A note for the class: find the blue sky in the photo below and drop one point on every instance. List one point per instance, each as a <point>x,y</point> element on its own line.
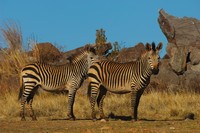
<point>71,24</point>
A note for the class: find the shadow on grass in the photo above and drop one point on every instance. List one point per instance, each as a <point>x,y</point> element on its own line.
<point>114,117</point>
<point>60,119</point>
<point>143,119</point>
<point>129,118</point>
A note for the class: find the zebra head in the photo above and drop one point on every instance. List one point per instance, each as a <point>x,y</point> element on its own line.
<point>91,55</point>
<point>153,57</point>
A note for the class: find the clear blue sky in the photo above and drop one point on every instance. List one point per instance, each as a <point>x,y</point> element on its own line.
<point>72,24</point>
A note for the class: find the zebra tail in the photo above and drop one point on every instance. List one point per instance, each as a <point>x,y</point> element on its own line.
<point>89,91</point>
<point>21,88</point>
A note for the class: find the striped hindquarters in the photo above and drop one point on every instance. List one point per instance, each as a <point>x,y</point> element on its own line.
<point>48,76</point>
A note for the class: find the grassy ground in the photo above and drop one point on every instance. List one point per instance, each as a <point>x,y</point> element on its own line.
<point>158,112</point>
<point>153,106</point>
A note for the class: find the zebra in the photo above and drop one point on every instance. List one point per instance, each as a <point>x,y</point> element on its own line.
<point>121,78</point>
<point>55,78</point>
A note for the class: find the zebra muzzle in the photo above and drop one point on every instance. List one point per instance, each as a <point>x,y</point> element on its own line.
<point>155,71</point>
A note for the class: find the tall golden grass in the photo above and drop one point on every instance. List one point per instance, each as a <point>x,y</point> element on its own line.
<point>12,59</point>
<point>13,35</point>
<point>153,106</point>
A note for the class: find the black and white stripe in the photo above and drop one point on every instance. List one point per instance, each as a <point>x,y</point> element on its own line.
<point>120,78</point>
<point>55,78</point>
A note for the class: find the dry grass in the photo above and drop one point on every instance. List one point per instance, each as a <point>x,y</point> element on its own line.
<point>12,59</point>
<point>10,67</point>
<point>13,35</point>
<point>153,106</point>
<point>156,105</point>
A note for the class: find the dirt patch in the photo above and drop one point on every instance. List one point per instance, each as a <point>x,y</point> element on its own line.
<point>45,125</point>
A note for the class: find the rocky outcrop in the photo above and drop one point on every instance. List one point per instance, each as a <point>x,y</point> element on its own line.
<point>180,70</point>
<point>46,52</point>
<point>183,35</point>
<point>130,54</point>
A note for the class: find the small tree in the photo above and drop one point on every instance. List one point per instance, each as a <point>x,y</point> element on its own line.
<point>116,47</point>
<point>115,51</point>
<point>100,37</point>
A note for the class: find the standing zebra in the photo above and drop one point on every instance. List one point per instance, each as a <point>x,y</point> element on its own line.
<point>121,78</point>
<point>55,78</point>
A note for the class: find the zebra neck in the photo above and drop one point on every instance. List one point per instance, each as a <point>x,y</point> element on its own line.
<point>79,57</point>
<point>146,68</point>
<point>81,67</point>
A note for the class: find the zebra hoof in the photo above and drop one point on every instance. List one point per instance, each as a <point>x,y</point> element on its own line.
<point>104,120</point>
<point>94,119</point>
<point>72,118</point>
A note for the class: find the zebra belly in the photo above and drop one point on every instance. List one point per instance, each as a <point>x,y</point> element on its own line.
<point>56,88</point>
<point>119,89</point>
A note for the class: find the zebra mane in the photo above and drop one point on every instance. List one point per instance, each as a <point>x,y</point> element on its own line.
<point>77,56</point>
<point>153,46</point>
<point>80,53</point>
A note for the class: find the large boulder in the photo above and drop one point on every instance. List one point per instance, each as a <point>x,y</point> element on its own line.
<point>166,79</point>
<point>182,70</point>
<point>178,60</point>
<point>191,81</point>
<point>182,35</point>
<point>194,55</point>
<point>46,52</point>
<point>130,54</point>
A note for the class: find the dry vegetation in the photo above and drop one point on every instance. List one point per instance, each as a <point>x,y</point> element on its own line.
<point>158,106</point>
<point>12,59</point>
<point>158,112</point>
<point>153,106</point>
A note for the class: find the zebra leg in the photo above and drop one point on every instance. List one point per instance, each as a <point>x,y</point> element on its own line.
<point>29,102</point>
<point>26,97</point>
<point>71,98</point>
<point>101,96</point>
<point>93,97</point>
<point>135,99</point>
<point>32,114</point>
<point>22,112</point>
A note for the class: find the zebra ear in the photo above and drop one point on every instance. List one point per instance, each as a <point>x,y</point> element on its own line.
<point>148,47</point>
<point>90,48</point>
<point>93,50</point>
<point>87,47</point>
<point>159,47</point>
